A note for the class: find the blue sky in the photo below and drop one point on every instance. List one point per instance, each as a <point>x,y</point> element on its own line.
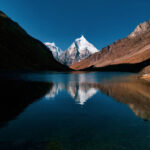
<point>61,21</point>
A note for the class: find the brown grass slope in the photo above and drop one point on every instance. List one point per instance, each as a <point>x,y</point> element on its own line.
<point>126,52</point>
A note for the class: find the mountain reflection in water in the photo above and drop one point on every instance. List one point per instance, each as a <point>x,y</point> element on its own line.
<point>129,90</point>
<point>44,112</point>
<point>80,92</point>
<point>15,96</point>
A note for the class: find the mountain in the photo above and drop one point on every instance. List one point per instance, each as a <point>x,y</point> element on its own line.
<point>20,51</point>
<point>129,54</point>
<point>79,50</point>
<point>56,51</point>
<point>141,28</point>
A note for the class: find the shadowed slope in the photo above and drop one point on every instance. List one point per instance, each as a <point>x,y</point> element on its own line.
<point>19,51</point>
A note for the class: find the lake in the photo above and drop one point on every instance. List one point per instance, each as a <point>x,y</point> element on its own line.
<point>74,111</point>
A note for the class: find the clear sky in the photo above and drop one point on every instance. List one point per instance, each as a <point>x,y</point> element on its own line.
<point>61,21</point>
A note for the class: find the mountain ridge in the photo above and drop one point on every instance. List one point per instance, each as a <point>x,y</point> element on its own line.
<point>56,51</point>
<point>20,51</point>
<point>77,51</point>
<point>133,49</point>
<point>141,28</point>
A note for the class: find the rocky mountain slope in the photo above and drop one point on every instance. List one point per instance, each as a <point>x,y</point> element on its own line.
<point>129,54</point>
<point>79,50</point>
<point>19,51</point>
<point>56,51</point>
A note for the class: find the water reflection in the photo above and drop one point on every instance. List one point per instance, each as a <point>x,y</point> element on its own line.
<point>131,91</point>
<point>101,122</point>
<point>79,91</point>
<point>75,87</point>
<point>15,96</point>
<point>128,90</point>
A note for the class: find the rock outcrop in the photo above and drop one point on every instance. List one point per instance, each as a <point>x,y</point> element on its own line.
<point>141,28</point>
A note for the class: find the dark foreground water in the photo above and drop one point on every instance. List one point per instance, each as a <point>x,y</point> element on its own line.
<point>76,111</point>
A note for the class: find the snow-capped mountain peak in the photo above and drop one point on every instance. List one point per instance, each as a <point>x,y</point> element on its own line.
<point>82,38</point>
<point>79,50</point>
<point>56,51</point>
<point>83,44</point>
<point>50,44</point>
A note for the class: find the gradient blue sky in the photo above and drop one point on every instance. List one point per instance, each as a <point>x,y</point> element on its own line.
<point>61,21</point>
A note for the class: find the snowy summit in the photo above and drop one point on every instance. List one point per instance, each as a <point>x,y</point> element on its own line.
<point>56,51</point>
<point>79,50</point>
<point>83,44</point>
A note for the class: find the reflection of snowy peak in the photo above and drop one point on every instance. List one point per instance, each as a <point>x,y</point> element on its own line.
<point>54,90</point>
<point>80,49</point>
<point>54,49</point>
<point>79,91</point>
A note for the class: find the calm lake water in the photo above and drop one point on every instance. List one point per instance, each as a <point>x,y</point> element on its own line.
<point>74,111</point>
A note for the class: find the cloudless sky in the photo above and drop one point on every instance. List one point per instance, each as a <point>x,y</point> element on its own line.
<point>61,21</point>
